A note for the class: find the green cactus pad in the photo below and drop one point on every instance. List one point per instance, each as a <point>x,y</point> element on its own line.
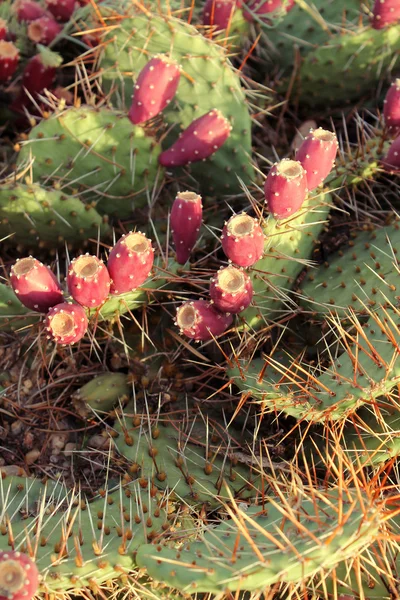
<point>289,542</point>
<point>169,457</point>
<point>102,393</point>
<point>208,81</point>
<point>289,245</point>
<point>368,367</point>
<point>364,275</point>
<point>34,215</point>
<point>98,152</point>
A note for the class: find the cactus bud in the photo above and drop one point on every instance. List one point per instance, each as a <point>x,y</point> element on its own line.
<point>35,285</point>
<point>9,57</point>
<point>242,240</point>
<point>218,13</point>
<point>200,140</point>
<point>155,87</point>
<point>285,188</point>
<point>19,576</point>
<point>317,155</point>
<point>231,290</point>
<point>200,321</point>
<point>88,281</point>
<point>391,107</point>
<point>385,12</point>
<point>66,323</point>
<point>130,262</point>
<point>186,218</point>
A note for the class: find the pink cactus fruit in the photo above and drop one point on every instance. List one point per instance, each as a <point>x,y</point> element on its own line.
<point>317,155</point>
<point>231,290</point>
<point>200,140</point>
<point>155,87</point>
<point>130,262</point>
<point>385,12</point>
<point>391,162</point>
<point>40,71</point>
<point>3,29</point>
<point>285,188</point>
<point>186,219</point>
<point>88,281</point>
<point>66,323</point>
<point>43,30</point>
<point>19,576</point>
<point>242,240</point>
<point>391,106</point>
<point>200,321</point>
<point>28,10</point>
<point>35,285</point>
<point>218,13</point>
<point>9,57</point>
<point>259,8</point>
<point>61,10</point>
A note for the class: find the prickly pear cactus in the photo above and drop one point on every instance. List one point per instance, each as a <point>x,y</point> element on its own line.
<point>102,393</point>
<point>98,152</point>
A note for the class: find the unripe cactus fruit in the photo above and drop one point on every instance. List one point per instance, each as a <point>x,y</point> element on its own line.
<point>35,285</point>
<point>61,9</point>
<point>218,13</point>
<point>200,321</point>
<point>385,12</point>
<point>200,140</point>
<point>285,188</point>
<point>130,262</point>
<point>186,219</point>
<point>391,107</point>
<point>19,576</point>
<point>242,240</point>
<point>231,290</point>
<point>28,10</point>
<point>88,281</point>
<point>66,323</point>
<point>9,57</point>
<point>155,87</point>
<point>43,30</point>
<point>391,162</point>
<point>317,155</point>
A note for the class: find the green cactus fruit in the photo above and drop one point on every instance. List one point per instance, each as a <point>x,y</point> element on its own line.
<point>362,276</point>
<point>169,456</point>
<point>98,152</point>
<point>208,81</point>
<point>34,215</point>
<point>289,244</point>
<point>289,541</point>
<point>13,315</point>
<point>368,367</point>
<point>78,544</point>
<point>101,394</point>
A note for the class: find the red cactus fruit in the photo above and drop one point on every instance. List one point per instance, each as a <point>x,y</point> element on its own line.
<point>3,29</point>
<point>200,321</point>
<point>385,12</point>
<point>259,8</point>
<point>61,10</point>
<point>391,107</point>
<point>186,219</point>
<point>317,155</point>
<point>88,281</point>
<point>28,10</point>
<point>155,87</point>
<point>35,285</point>
<point>130,262</point>
<point>391,162</point>
<point>200,140</point>
<point>242,240</point>
<point>231,290</point>
<point>9,57</point>
<point>66,323</point>
<point>40,72</point>
<point>285,188</point>
<point>218,13</point>
<point>43,30</point>
<point>19,576</point>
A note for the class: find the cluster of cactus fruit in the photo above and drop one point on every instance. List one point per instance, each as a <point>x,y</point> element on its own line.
<point>264,461</point>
